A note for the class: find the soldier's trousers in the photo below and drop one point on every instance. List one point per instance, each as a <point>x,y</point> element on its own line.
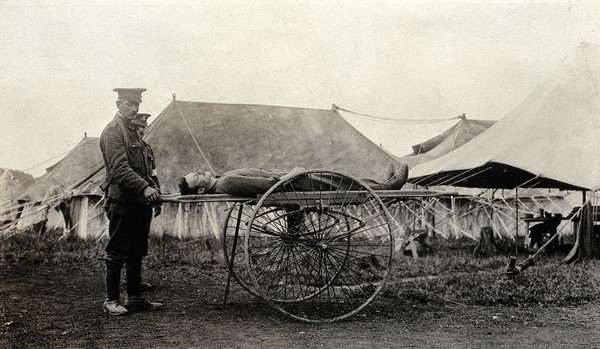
<point>133,272</point>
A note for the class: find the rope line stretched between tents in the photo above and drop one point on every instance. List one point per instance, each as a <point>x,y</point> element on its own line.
<point>393,120</point>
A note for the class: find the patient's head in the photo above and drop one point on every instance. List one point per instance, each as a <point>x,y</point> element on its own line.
<point>194,182</point>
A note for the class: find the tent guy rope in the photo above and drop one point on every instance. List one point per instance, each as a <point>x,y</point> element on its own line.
<point>193,138</point>
<point>394,120</point>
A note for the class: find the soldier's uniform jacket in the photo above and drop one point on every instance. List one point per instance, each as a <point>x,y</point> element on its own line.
<point>129,161</point>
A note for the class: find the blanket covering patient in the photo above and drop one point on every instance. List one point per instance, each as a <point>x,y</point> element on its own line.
<point>252,182</point>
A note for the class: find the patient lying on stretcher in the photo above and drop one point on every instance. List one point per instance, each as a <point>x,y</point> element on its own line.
<point>252,182</point>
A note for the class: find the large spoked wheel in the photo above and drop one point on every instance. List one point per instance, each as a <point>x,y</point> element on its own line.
<point>237,221</point>
<point>319,246</point>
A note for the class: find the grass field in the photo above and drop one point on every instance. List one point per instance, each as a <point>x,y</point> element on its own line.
<point>449,275</point>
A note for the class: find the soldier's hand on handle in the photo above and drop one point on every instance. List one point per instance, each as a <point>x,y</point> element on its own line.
<point>151,194</point>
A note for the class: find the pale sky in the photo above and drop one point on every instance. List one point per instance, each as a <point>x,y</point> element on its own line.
<point>60,60</point>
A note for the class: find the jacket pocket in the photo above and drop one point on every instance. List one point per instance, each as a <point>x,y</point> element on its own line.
<point>135,155</point>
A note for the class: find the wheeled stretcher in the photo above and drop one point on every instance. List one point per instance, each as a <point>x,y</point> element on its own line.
<point>316,256</point>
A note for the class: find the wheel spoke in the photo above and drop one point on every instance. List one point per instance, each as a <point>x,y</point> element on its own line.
<point>319,246</point>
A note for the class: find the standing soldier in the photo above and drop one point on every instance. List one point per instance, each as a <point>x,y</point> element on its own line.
<point>129,192</point>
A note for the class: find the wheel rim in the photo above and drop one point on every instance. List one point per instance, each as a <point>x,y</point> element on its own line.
<point>237,219</point>
<point>239,268</point>
<point>328,255</point>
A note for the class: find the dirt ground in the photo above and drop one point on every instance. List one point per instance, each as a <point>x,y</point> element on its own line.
<point>59,306</point>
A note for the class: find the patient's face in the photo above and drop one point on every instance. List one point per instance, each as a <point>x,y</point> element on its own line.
<point>198,180</point>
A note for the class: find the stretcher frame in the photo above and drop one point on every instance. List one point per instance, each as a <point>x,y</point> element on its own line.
<point>313,255</point>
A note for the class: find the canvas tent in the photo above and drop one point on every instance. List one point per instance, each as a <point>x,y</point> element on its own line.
<point>11,182</point>
<point>451,139</point>
<point>550,140</point>
<point>69,172</point>
<point>60,192</point>
<point>189,136</point>
<point>216,137</point>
